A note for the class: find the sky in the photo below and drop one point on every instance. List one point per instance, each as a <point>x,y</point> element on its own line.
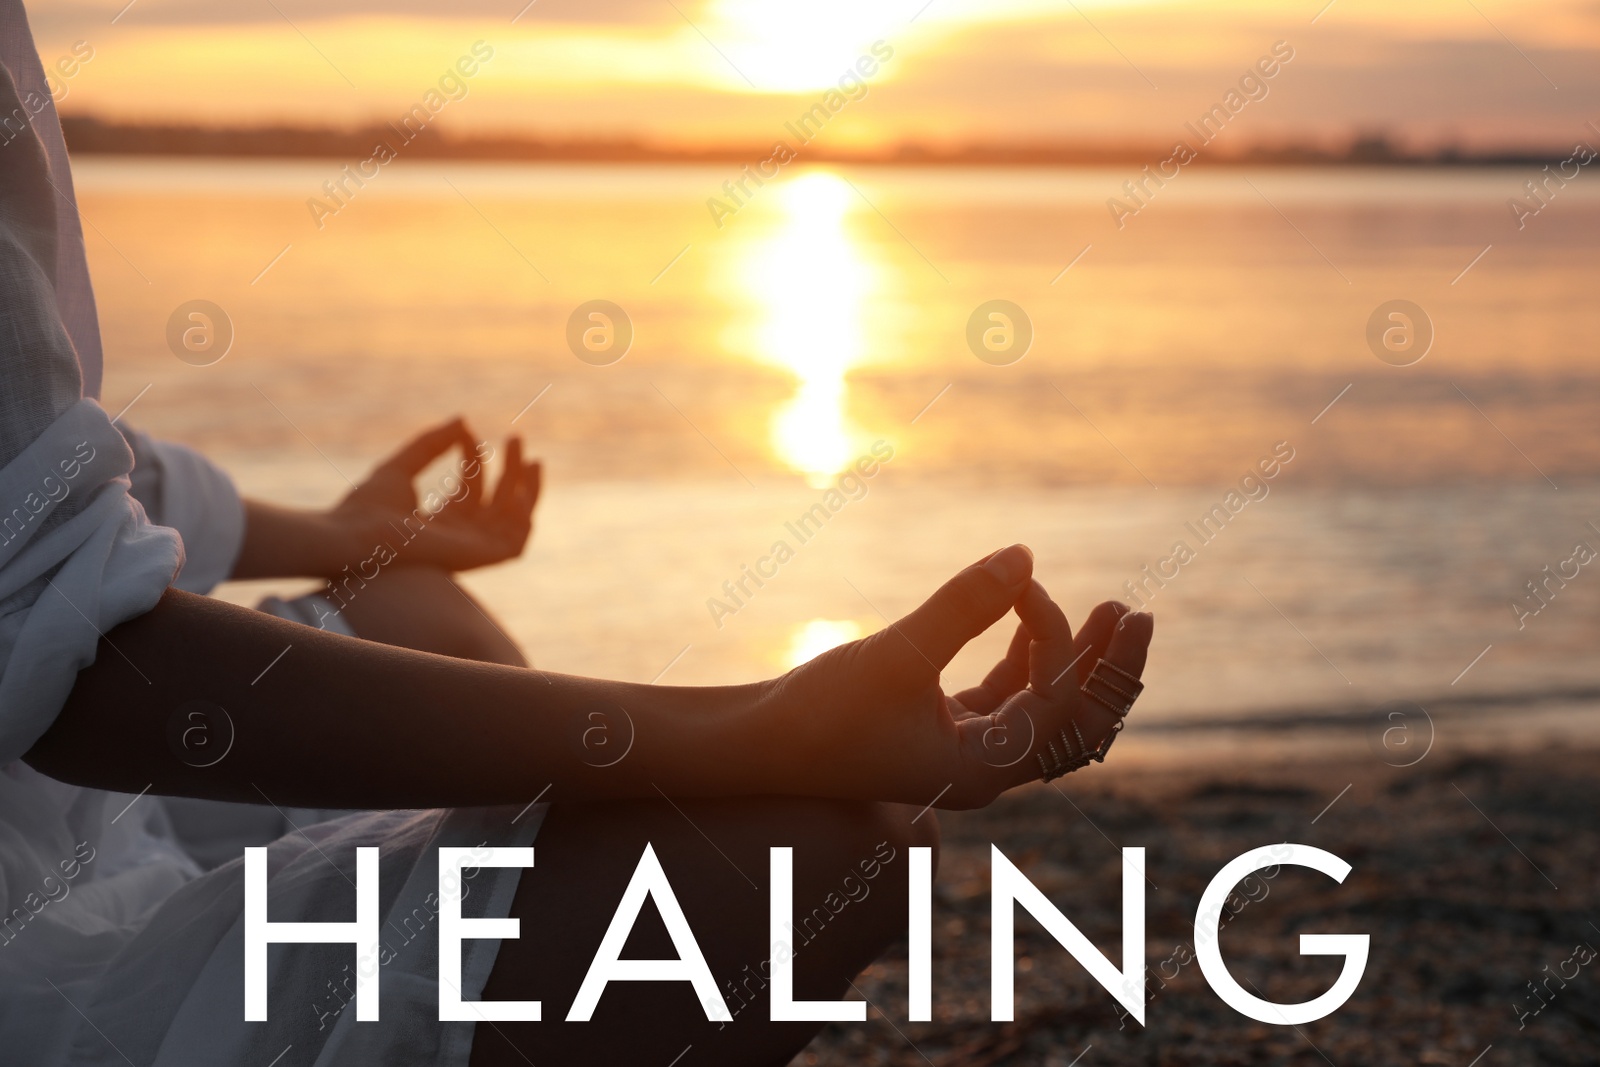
<point>946,72</point>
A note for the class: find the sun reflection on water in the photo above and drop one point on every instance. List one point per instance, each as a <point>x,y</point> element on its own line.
<point>811,283</point>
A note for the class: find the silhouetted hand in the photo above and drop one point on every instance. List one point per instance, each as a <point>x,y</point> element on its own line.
<point>869,719</point>
<point>455,525</point>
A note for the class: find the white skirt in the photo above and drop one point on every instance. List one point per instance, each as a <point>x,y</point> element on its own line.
<point>173,996</point>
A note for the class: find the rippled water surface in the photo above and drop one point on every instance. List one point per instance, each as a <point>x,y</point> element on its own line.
<point>830,311</point>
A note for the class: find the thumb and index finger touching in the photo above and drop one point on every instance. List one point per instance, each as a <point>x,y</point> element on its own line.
<point>966,606</point>
<point>415,455</point>
<point>1057,660</point>
<point>519,485</point>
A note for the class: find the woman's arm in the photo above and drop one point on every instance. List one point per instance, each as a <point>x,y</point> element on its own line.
<point>319,720</point>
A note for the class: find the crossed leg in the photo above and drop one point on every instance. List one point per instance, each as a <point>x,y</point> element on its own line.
<point>850,879</point>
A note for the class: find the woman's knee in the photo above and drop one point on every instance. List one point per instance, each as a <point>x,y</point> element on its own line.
<point>861,872</point>
<point>848,880</point>
<point>913,827</point>
<point>425,609</point>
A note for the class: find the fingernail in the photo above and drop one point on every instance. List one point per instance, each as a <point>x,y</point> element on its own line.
<point>1010,565</point>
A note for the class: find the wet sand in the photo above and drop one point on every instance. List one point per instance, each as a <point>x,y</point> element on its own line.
<point>1474,875</point>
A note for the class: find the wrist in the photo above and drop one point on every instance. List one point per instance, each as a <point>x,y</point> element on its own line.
<point>773,736</point>
<point>707,741</point>
<point>292,543</point>
<point>337,540</point>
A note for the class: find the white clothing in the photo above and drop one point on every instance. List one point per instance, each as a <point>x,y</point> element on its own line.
<point>114,946</point>
<point>74,294</point>
<point>181,489</point>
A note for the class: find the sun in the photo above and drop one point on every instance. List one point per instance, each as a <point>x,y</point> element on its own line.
<point>786,47</point>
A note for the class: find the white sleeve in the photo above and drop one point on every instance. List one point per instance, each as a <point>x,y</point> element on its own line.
<point>63,584</point>
<point>180,488</point>
<point>77,554</point>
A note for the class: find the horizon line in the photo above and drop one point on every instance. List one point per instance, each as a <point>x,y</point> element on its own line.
<point>91,135</point>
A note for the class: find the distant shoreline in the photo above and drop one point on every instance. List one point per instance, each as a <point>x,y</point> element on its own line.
<point>87,135</point>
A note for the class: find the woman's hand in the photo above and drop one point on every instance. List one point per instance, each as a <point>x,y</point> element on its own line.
<point>869,719</point>
<point>459,525</point>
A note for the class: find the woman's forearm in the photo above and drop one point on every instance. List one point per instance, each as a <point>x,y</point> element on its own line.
<point>282,542</point>
<point>312,719</point>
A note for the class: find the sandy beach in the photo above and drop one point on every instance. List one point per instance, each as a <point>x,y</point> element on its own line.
<point>1474,874</point>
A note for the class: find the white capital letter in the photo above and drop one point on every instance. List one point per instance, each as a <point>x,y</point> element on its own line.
<point>785,1009</point>
<point>608,966</point>
<point>453,929</point>
<point>259,933</point>
<point>1353,947</point>
<point>919,932</point>
<point>1011,885</point>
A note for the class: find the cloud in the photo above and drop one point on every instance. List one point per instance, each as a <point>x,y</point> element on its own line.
<point>635,67</point>
<point>88,17</point>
